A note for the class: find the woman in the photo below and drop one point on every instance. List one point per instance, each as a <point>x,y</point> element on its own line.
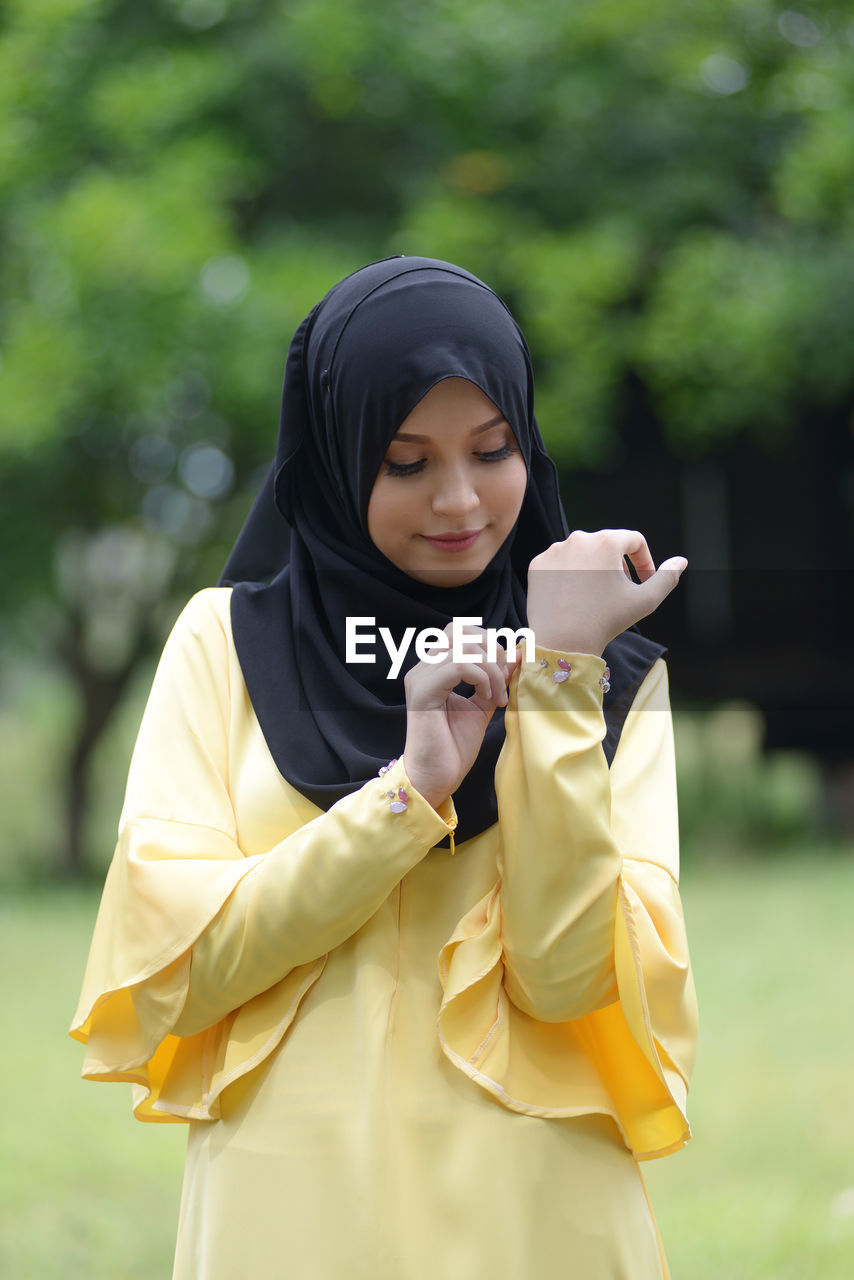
<point>406,950</point>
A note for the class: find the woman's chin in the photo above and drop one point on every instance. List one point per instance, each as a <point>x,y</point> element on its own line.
<point>460,576</point>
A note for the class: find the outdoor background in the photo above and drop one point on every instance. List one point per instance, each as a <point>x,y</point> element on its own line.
<point>663,192</point>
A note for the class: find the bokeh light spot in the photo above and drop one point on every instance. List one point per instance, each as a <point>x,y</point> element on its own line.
<point>202,14</point>
<point>724,75</point>
<point>181,516</point>
<point>206,470</point>
<point>798,29</point>
<point>225,279</point>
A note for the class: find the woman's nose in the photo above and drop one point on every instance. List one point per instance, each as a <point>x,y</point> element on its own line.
<point>455,495</point>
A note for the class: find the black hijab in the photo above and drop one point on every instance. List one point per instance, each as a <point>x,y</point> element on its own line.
<point>358,364</point>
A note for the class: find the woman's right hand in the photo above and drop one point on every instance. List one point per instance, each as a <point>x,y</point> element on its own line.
<point>444,731</point>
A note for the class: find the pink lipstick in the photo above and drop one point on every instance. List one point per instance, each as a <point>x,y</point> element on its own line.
<point>454,541</point>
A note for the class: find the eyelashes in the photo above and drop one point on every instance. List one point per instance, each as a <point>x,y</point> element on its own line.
<point>413,468</point>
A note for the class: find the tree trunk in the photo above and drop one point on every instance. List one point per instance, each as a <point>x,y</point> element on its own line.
<point>99,694</point>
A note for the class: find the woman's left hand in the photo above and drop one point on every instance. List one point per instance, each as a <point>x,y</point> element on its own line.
<point>581,594</point>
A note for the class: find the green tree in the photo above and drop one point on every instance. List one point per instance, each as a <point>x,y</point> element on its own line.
<point>661,191</point>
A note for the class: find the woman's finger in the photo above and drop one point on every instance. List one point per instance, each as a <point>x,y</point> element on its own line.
<point>658,587</point>
<point>431,684</point>
<point>638,552</point>
<point>488,680</point>
<point>500,677</point>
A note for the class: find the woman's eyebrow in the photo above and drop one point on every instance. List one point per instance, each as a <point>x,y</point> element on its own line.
<point>484,426</point>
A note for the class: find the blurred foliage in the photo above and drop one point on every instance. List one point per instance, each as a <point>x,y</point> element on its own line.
<point>732,799</point>
<point>661,192</point>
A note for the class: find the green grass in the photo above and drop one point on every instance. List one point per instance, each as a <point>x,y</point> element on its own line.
<point>764,1190</point>
<point>86,1191</point>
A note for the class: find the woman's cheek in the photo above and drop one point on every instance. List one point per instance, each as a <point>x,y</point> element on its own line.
<point>515,482</point>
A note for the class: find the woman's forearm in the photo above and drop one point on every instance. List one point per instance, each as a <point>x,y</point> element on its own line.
<point>559,862</point>
<point>307,895</point>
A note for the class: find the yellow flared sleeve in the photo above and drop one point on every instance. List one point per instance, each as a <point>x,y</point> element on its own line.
<point>201,954</point>
<point>568,988</point>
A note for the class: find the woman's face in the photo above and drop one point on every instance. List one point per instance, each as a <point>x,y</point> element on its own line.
<point>454,468</point>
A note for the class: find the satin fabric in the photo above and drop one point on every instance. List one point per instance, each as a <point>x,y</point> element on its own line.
<point>459,1058</point>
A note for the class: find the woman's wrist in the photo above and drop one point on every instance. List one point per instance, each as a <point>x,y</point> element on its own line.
<point>421,783</point>
<point>592,645</point>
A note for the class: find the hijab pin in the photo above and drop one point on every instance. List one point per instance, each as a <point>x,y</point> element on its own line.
<point>563,671</point>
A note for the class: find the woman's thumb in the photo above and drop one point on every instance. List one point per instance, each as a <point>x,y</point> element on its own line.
<point>665,578</point>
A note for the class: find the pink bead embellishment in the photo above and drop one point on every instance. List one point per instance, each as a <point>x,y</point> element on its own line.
<point>605,680</point>
<point>401,803</point>
<point>384,768</point>
<point>563,672</point>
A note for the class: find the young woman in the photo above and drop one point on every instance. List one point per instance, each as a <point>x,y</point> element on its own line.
<point>406,950</point>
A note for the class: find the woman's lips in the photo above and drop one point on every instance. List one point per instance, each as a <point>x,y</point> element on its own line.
<point>454,541</point>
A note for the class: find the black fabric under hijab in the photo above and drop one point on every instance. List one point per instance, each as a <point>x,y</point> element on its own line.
<point>357,365</point>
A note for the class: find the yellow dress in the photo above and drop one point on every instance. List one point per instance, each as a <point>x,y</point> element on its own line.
<point>396,1062</point>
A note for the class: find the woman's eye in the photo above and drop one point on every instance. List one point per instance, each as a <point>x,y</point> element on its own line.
<point>497,454</point>
<point>413,468</point>
<point>404,468</point>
